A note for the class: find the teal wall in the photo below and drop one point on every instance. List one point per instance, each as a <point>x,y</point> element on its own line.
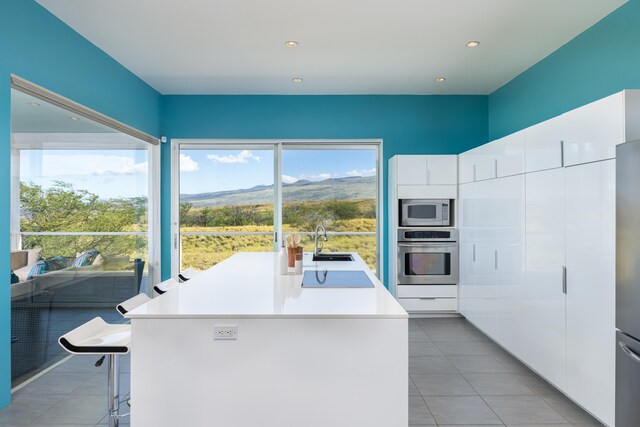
<point>37,46</point>
<point>407,125</point>
<point>603,60</point>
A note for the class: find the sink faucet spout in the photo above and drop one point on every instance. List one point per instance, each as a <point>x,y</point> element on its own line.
<point>319,244</point>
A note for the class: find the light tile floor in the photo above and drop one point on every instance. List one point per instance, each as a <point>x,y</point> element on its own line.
<point>457,377</point>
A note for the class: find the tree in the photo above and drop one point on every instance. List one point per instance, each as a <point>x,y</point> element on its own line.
<point>64,209</point>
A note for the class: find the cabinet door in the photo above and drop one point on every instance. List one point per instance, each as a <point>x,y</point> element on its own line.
<point>510,155</point>
<point>590,242</point>
<point>442,170</point>
<point>545,305</point>
<point>509,261</point>
<point>466,167</point>
<point>486,162</point>
<point>543,145</point>
<point>590,133</point>
<point>411,170</point>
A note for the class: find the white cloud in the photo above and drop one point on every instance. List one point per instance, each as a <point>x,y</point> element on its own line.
<point>84,164</point>
<point>124,166</point>
<point>289,179</point>
<point>187,164</point>
<point>243,157</point>
<point>361,172</point>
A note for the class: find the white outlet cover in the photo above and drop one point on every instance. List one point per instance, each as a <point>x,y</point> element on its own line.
<point>225,332</point>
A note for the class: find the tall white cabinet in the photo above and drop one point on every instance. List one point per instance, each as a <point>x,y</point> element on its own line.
<point>590,257</point>
<point>420,177</point>
<point>546,212</point>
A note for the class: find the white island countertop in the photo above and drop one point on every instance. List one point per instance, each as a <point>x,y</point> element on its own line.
<point>248,285</point>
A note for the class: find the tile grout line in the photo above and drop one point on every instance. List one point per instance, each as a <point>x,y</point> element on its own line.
<point>40,374</point>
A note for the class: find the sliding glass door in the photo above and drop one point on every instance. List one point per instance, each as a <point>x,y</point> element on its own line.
<point>83,215</point>
<point>335,186</point>
<point>226,202</point>
<point>236,197</point>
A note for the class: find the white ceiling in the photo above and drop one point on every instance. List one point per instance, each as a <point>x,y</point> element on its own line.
<point>346,46</point>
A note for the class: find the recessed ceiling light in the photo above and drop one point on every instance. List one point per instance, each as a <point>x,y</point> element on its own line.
<point>75,119</point>
<point>33,104</point>
<point>291,43</point>
<point>473,43</point>
<point>297,79</point>
<point>440,79</point>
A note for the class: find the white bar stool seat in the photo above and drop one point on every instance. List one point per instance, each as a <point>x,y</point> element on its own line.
<point>99,337</point>
<point>188,274</point>
<point>126,306</point>
<point>166,286</point>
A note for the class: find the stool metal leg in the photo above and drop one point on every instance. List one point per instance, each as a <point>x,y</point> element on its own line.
<point>114,390</point>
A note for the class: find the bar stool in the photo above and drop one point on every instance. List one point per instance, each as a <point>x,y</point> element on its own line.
<point>166,286</point>
<point>126,306</point>
<point>97,337</point>
<point>188,274</point>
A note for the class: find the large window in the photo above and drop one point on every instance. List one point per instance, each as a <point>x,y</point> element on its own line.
<point>82,226</point>
<point>235,197</point>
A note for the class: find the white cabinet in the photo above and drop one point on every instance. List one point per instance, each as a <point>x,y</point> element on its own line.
<point>477,165</point>
<point>543,145</point>
<point>510,155</point>
<point>545,328</point>
<point>590,240</point>
<point>420,177</point>
<point>590,133</point>
<point>427,170</point>
<point>411,170</point>
<point>466,167</point>
<point>442,170</point>
<point>497,159</point>
<point>509,232</point>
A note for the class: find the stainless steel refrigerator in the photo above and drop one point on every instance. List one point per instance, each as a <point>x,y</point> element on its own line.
<point>628,284</point>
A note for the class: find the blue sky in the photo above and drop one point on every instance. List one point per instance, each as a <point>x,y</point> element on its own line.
<point>123,173</point>
<point>218,170</point>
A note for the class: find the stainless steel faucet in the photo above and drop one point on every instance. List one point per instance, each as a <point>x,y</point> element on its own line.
<point>318,247</point>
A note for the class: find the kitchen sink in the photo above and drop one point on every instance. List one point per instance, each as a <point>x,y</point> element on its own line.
<point>336,279</point>
<point>332,257</point>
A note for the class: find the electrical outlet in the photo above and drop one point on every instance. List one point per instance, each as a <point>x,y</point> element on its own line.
<point>225,332</point>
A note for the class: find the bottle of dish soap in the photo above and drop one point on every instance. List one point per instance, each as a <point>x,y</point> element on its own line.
<point>283,260</point>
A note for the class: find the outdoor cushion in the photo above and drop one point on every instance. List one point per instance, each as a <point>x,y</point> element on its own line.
<point>85,258</point>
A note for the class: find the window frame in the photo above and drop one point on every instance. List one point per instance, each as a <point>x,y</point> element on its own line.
<point>153,178</point>
<point>278,145</point>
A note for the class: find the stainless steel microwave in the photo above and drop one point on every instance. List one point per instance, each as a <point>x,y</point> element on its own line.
<point>425,212</point>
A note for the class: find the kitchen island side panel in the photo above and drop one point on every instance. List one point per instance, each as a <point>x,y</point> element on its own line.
<point>312,372</point>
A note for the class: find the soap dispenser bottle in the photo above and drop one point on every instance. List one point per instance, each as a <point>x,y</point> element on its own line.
<point>283,260</point>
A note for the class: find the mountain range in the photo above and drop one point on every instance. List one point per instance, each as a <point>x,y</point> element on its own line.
<point>346,188</point>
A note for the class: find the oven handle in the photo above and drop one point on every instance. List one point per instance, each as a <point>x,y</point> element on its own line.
<point>429,244</point>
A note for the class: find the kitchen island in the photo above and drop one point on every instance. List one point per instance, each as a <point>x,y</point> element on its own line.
<point>293,357</point>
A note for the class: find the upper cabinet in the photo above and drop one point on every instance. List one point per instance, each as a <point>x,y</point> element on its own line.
<point>584,135</point>
<point>504,157</point>
<point>543,146</point>
<point>510,155</point>
<point>411,170</point>
<point>427,170</point>
<point>442,170</point>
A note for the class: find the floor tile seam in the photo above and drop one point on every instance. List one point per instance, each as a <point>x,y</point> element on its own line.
<point>35,421</point>
<point>533,392</point>
<point>425,404</point>
<point>545,399</point>
<point>552,408</point>
<point>492,410</point>
<point>40,414</point>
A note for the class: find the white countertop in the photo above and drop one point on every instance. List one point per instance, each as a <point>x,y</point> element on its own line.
<point>247,285</point>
